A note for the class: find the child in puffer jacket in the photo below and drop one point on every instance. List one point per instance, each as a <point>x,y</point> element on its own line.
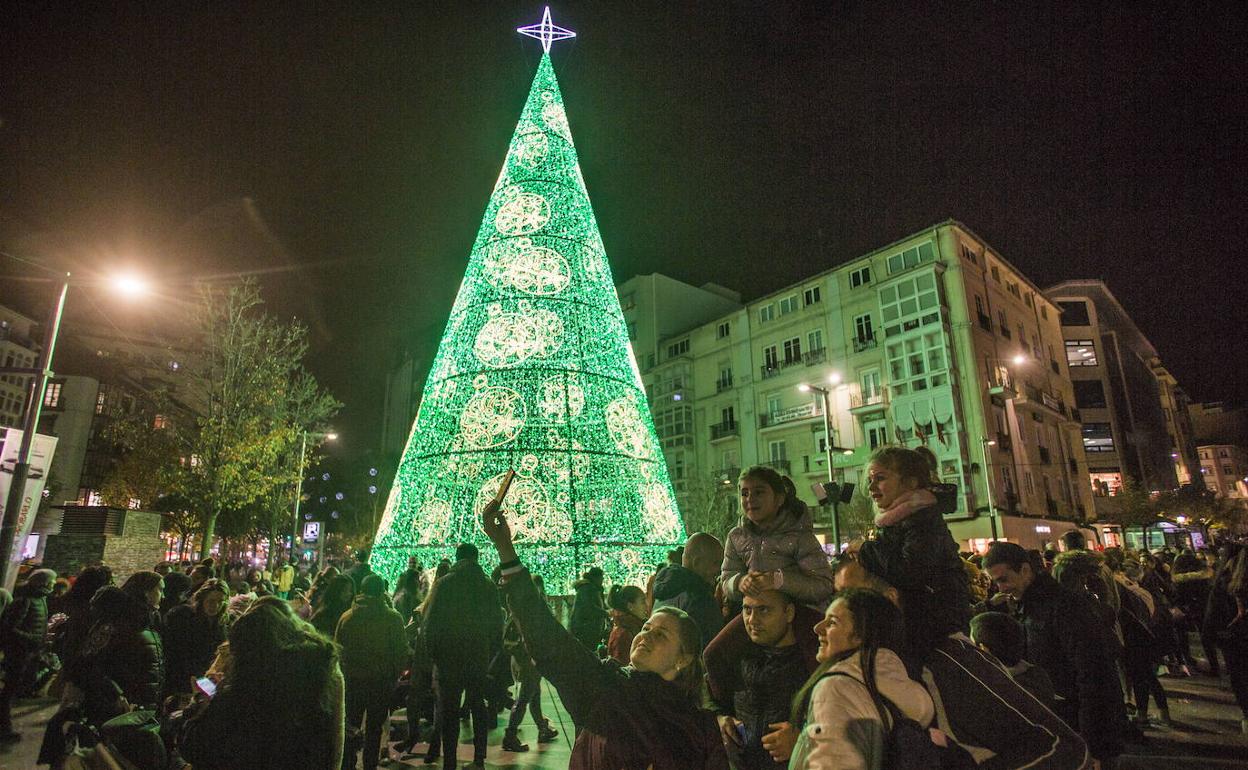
<point>774,547</point>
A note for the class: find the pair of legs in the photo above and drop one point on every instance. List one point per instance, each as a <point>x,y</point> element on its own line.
<point>530,696</point>
<point>367,701</point>
<point>453,687</point>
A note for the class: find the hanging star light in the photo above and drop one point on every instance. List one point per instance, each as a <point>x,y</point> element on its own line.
<point>546,31</point>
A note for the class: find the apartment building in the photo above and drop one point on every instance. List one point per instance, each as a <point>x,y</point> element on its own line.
<point>932,340</point>
<point>1225,470</point>
<point>17,349</point>
<point>1135,419</point>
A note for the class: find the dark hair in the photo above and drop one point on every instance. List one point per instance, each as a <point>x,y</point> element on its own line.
<point>933,464</point>
<point>878,626</point>
<point>619,597</point>
<point>362,555</point>
<point>593,574</point>
<point>906,463</point>
<point>90,580</point>
<point>141,582</point>
<point>279,661</point>
<point>373,585</point>
<point>465,551</point>
<point>780,484</point>
<point>1074,540</point>
<point>443,567</point>
<point>1012,555</point>
<point>1114,558</point>
<point>210,586</point>
<point>1001,634</point>
<point>688,679</point>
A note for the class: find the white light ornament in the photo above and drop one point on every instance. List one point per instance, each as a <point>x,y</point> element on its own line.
<point>546,31</point>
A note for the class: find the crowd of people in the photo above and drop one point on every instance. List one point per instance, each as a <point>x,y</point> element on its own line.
<point>757,652</point>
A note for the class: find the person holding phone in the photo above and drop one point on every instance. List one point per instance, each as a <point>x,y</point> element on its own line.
<point>633,717</point>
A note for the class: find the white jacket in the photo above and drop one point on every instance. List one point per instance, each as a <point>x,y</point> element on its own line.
<point>843,729</point>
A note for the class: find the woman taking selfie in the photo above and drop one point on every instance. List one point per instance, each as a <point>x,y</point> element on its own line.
<point>644,715</point>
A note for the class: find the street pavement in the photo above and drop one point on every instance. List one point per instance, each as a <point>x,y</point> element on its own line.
<point>1206,734</point>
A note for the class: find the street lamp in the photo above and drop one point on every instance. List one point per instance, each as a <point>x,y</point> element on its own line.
<point>986,442</point>
<point>303,460</point>
<point>826,396</point>
<point>13,505</point>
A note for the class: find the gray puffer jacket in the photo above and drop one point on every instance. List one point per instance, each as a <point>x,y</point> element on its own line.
<point>788,544</point>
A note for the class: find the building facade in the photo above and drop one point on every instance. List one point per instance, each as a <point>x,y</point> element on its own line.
<point>1225,471</point>
<point>17,349</point>
<point>1135,421</point>
<point>933,340</point>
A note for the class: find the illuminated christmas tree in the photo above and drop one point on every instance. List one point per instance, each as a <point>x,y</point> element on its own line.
<point>534,372</point>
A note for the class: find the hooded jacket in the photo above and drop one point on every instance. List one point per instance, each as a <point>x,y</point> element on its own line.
<point>628,720</point>
<point>919,557</point>
<point>123,654</point>
<point>25,620</point>
<point>843,730</point>
<point>786,544</point>
<point>374,645</point>
<point>682,588</point>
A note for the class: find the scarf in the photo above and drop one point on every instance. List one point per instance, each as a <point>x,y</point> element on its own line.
<point>903,506</point>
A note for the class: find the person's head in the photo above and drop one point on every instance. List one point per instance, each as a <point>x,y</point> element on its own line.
<point>163,569</point>
<point>147,587</point>
<point>763,494</point>
<point>60,587</point>
<point>1148,562</point>
<point>894,471</point>
<point>443,567</point>
<point>200,573</point>
<point>858,619</point>
<point>676,555</point>
<point>340,591</point>
<point>594,575</point>
<point>1074,540</point>
<point>293,561</point>
<point>41,580</point>
<point>466,552</point>
<point>769,618</point>
<point>849,573</point>
<point>629,599</point>
<point>373,586</point>
<point>1010,568</point>
<point>413,563</point>
<point>703,555</point>
<point>209,598</point>
<point>90,580</point>
<point>1000,635</point>
<point>361,556</point>
<point>669,644</point>
<point>933,465</point>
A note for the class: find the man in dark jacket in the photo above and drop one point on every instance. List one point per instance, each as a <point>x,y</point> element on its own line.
<point>374,650</point>
<point>690,585</point>
<point>588,622</point>
<point>760,694</point>
<point>463,631</point>
<point>22,627</point>
<point>1066,638</point>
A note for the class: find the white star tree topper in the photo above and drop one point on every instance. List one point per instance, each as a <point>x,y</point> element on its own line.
<point>546,31</point>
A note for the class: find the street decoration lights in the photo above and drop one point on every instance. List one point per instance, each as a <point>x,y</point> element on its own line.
<point>535,374</point>
<point>129,286</point>
<point>825,396</point>
<point>303,462</point>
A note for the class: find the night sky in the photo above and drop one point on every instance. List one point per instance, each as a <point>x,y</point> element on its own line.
<point>345,153</point>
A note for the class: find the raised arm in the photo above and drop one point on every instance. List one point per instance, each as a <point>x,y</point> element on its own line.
<point>576,673</point>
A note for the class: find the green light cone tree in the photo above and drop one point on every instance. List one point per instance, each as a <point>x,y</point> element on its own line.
<point>534,372</point>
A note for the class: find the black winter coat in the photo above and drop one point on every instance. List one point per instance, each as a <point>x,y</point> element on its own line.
<point>191,640</point>
<point>123,655</point>
<point>919,557</point>
<point>463,623</point>
<point>1067,638</point>
<point>589,620</point>
<point>630,720</point>
<point>768,678</point>
<point>24,622</point>
<point>676,586</point>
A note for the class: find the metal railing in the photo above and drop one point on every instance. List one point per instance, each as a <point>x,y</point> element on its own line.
<point>724,430</point>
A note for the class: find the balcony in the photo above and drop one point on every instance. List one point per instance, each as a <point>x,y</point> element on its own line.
<point>815,356</point>
<point>724,430</point>
<point>1033,397</point>
<point>1000,383</point>
<point>792,414</point>
<point>771,370</point>
<point>727,475</point>
<point>864,343</point>
<point>868,403</point>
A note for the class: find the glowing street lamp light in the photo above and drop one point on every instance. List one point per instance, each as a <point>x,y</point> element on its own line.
<point>129,285</point>
<point>1019,359</point>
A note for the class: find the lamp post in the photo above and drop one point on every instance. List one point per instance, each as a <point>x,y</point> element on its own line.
<point>825,396</point>
<point>303,459</point>
<point>128,285</point>
<point>984,443</point>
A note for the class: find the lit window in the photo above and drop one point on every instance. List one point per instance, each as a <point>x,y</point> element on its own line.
<point>52,396</point>
<point>1080,353</point>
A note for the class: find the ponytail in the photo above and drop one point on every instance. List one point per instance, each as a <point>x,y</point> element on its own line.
<point>619,597</point>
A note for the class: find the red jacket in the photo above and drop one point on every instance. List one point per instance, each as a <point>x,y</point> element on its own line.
<point>624,626</point>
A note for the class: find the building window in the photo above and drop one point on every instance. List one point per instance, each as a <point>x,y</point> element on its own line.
<point>876,433</point>
<point>725,378</point>
<point>767,313</point>
<point>1004,323</point>
<point>969,254</point>
<point>788,305</point>
<point>859,277</point>
<point>909,304</point>
<point>862,328</point>
<point>996,274</point>
<point>678,348</point>
<point>1097,437</point>
<point>722,330</point>
<point>1228,470</point>
<point>1044,312</point>
<point>811,295</point>
<point>911,258</point>
<point>674,425</point>
<point>1080,353</point>
<point>793,350</point>
<point>917,364</point>
<point>1090,394</point>
<point>1075,313</point>
<point>52,396</point>
<point>1027,300</point>
<point>728,415</point>
<point>1012,288</point>
<point>160,422</point>
<point>871,386</point>
<point>99,403</point>
<point>773,404</point>
<point>770,358</point>
<point>814,340</point>
<point>778,451</point>
<point>1223,453</point>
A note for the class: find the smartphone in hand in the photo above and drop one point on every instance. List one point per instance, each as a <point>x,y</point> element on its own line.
<point>503,488</point>
<point>206,686</point>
